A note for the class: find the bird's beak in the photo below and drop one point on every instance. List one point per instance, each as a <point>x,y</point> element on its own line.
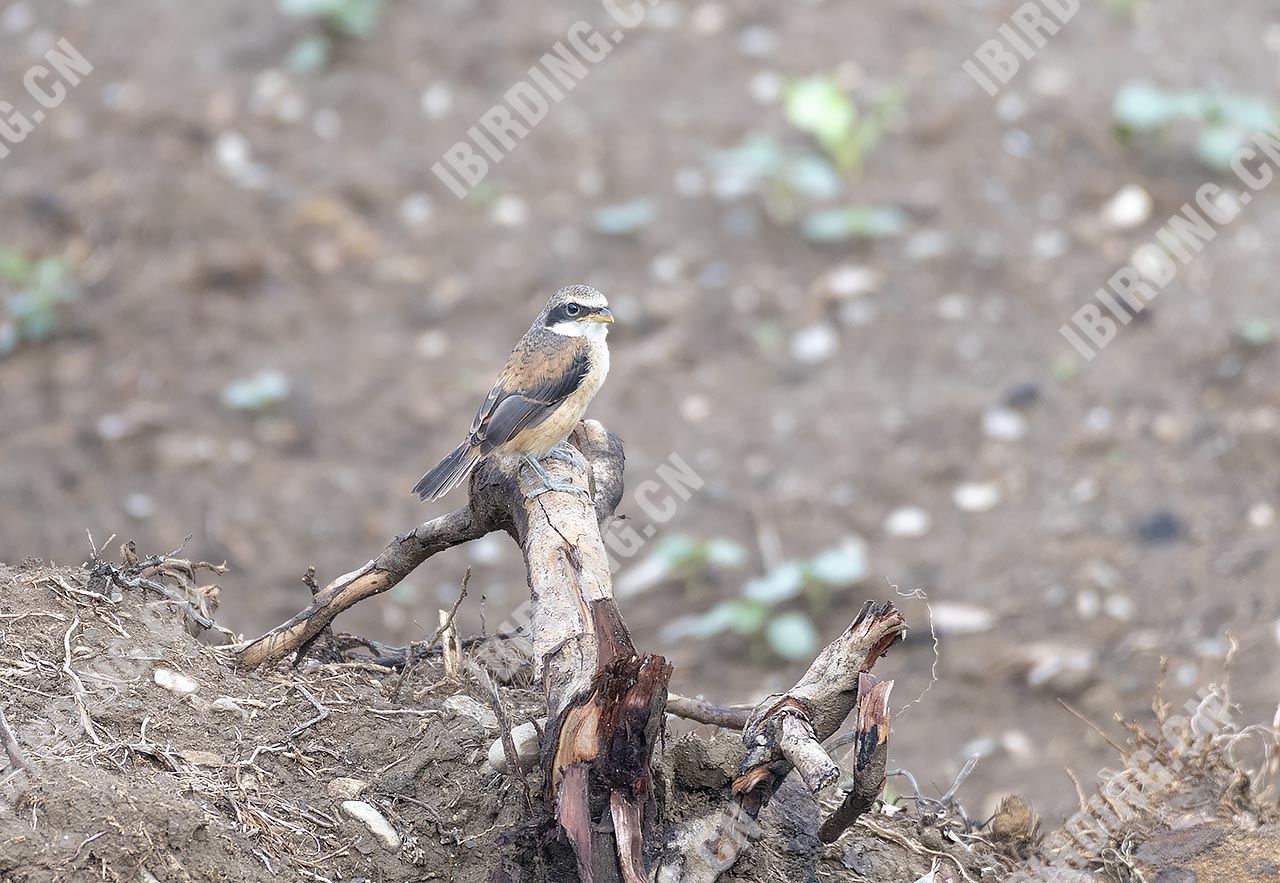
<point>601,315</point>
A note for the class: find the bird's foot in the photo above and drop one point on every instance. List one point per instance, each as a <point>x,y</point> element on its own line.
<point>563,453</point>
<point>555,486</point>
<point>549,483</point>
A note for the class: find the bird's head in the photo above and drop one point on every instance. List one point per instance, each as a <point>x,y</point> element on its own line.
<point>577,311</point>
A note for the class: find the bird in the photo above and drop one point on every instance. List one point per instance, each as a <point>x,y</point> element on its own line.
<point>550,377</point>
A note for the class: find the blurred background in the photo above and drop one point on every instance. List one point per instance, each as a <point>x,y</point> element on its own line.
<point>236,303</point>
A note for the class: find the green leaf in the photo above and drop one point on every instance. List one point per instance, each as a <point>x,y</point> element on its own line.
<point>819,106</point>
<point>812,176</point>
<point>13,266</point>
<point>1218,145</point>
<point>725,553</point>
<point>625,218</point>
<point>258,392</point>
<point>792,636</point>
<point>780,584</point>
<point>310,54</point>
<point>1257,332</point>
<point>675,549</point>
<point>1142,107</point>
<point>844,565</point>
<point>853,222</point>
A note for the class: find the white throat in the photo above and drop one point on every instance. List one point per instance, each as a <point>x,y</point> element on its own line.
<point>596,331</point>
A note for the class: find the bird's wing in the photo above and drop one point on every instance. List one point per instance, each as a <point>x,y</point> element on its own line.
<point>532,385</point>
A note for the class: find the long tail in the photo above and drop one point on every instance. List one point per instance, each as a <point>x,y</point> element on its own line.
<point>446,474</point>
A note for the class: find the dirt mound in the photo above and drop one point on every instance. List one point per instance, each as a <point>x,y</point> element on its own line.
<point>141,753</point>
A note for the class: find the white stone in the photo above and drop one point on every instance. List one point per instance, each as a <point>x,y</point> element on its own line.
<point>1262,515</point>
<point>373,820</point>
<point>436,101</point>
<point>175,681</point>
<point>1004,424</point>
<point>1120,607</point>
<point>525,739</point>
<point>908,521</point>
<point>510,211</point>
<point>416,210</point>
<point>815,343</point>
<point>849,281</point>
<point>977,496</point>
<point>956,618</point>
<point>1129,209</point>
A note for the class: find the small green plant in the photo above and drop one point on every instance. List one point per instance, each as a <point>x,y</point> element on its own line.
<point>794,181</point>
<point>42,291</point>
<point>782,604</point>
<point>338,19</point>
<point>820,106</point>
<point>690,562</point>
<point>1225,120</point>
<point>257,393</point>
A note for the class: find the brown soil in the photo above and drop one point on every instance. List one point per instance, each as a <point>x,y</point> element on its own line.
<point>192,281</point>
<point>238,776</point>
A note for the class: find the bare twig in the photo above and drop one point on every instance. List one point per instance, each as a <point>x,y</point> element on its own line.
<point>78,691</point>
<point>731,717</point>
<point>11,748</point>
<point>321,713</point>
<point>504,726</point>
<point>413,656</point>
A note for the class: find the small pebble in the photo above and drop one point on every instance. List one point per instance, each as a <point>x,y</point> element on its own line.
<point>525,739</point>
<point>416,210</point>
<point>1022,396</point>
<point>17,18</point>
<point>849,281</point>
<point>695,408</point>
<point>1088,604</point>
<point>927,245</point>
<point>375,821</point>
<point>908,521</point>
<point>709,18</point>
<point>1128,209</point>
<point>139,506</point>
<point>765,87</point>
<point>814,344</point>
<point>1262,516</point>
<point>1004,424</point>
<point>510,211</point>
<point>976,496</point>
<point>432,344</point>
<point>175,681</point>
<point>1011,107</point>
<point>955,618</point>
<point>952,307</point>
<point>436,101</point>
<point>326,123</point>
<point>1119,607</point>
<point>1160,528</point>
<point>757,41</point>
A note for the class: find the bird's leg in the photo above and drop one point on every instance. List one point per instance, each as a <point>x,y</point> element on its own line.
<point>563,453</point>
<point>549,483</point>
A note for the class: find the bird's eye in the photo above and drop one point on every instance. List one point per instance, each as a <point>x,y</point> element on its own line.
<point>573,309</point>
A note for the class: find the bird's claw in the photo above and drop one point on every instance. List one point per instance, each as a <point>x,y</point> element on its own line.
<point>555,486</point>
<point>563,454</point>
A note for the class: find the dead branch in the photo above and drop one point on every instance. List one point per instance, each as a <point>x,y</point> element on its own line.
<point>870,757</point>
<point>11,748</point>
<point>732,717</point>
<point>818,704</point>
<point>495,504</point>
